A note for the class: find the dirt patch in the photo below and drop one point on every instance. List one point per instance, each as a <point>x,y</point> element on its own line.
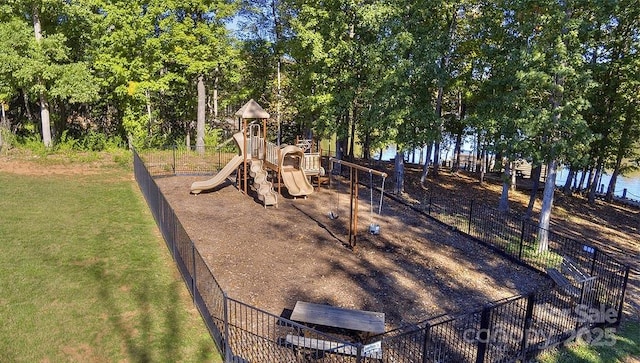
<point>55,164</point>
<point>270,258</point>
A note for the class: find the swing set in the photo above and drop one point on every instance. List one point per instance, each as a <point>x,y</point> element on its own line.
<point>353,205</point>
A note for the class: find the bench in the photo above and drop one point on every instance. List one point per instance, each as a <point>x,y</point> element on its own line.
<point>563,282</point>
<point>571,268</point>
<point>373,350</point>
<point>568,268</point>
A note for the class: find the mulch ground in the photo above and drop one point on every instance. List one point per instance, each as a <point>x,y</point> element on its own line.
<point>270,258</point>
<point>613,228</point>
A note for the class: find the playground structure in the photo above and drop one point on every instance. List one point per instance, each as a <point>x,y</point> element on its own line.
<point>258,158</point>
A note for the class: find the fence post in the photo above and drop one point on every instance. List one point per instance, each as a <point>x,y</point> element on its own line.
<point>484,334</point>
<point>425,344</point>
<point>359,353</point>
<point>193,278</point>
<point>593,262</point>
<point>470,216</point>
<point>521,239</point>
<point>624,290</point>
<point>174,159</point>
<point>528,320</point>
<point>175,237</point>
<point>227,346</point>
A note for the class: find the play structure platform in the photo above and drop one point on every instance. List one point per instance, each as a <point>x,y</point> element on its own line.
<point>258,158</point>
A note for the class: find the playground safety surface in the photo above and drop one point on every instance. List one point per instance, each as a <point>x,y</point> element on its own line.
<point>273,257</point>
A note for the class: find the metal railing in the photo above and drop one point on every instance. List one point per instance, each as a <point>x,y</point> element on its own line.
<point>503,331</point>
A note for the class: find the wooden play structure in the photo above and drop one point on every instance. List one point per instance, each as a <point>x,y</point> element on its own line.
<point>264,161</point>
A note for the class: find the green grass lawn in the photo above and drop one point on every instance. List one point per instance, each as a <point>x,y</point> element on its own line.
<point>621,347</point>
<point>86,277</point>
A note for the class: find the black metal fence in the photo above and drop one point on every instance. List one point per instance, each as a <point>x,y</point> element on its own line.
<point>174,160</point>
<point>504,331</point>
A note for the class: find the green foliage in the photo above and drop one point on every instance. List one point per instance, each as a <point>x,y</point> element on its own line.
<point>7,140</point>
<point>66,143</point>
<point>535,80</point>
<point>96,141</point>
<point>33,143</point>
<point>212,136</point>
<point>92,141</point>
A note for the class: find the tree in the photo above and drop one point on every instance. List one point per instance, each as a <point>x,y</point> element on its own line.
<point>42,65</point>
<point>555,80</point>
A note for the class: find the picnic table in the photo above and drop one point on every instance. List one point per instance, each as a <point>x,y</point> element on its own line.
<point>363,323</point>
<point>368,322</point>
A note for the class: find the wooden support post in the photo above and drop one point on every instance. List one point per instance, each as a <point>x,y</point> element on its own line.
<point>245,156</point>
<point>279,170</point>
<point>264,140</point>
<point>353,206</point>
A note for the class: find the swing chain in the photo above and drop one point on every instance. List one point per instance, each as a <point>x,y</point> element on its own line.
<point>384,178</point>
<point>335,206</point>
<point>370,198</point>
<point>374,228</point>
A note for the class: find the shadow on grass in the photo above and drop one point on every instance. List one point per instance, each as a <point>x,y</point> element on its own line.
<point>134,310</point>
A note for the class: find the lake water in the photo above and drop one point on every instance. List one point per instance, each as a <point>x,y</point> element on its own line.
<point>631,182</point>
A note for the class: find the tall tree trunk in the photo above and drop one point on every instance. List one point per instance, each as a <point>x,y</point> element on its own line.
<point>3,117</point>
<point>352,134</point>
<point>547,205</point>
<point>535,177</point>
<point>201,115</point>
<point>592,173</point>
<point>188,137</point>
<point>366,149</point>
<point>4,125</point>
<point>503,204</point>
<point>46,120</point>
<point>567,184</point>
<point>462,108</point>
<point>149,113</point>
<point>594,184</point>
<point>436,151</point>
<point>45,116</point>
<point>580,185</point>
<point>215,98</point>
<point>611,188</point>
<point>484,165</point>
<point>624,144</point>
<point>340,154</point>
<point>512,166</point>
<point>399,172</point>
<point>478,167</point>
<point>456,153</point>
<point>427,162</point>
<point>27,108</point>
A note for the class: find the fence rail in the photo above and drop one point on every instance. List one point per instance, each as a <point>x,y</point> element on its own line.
<point>504,331</point>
